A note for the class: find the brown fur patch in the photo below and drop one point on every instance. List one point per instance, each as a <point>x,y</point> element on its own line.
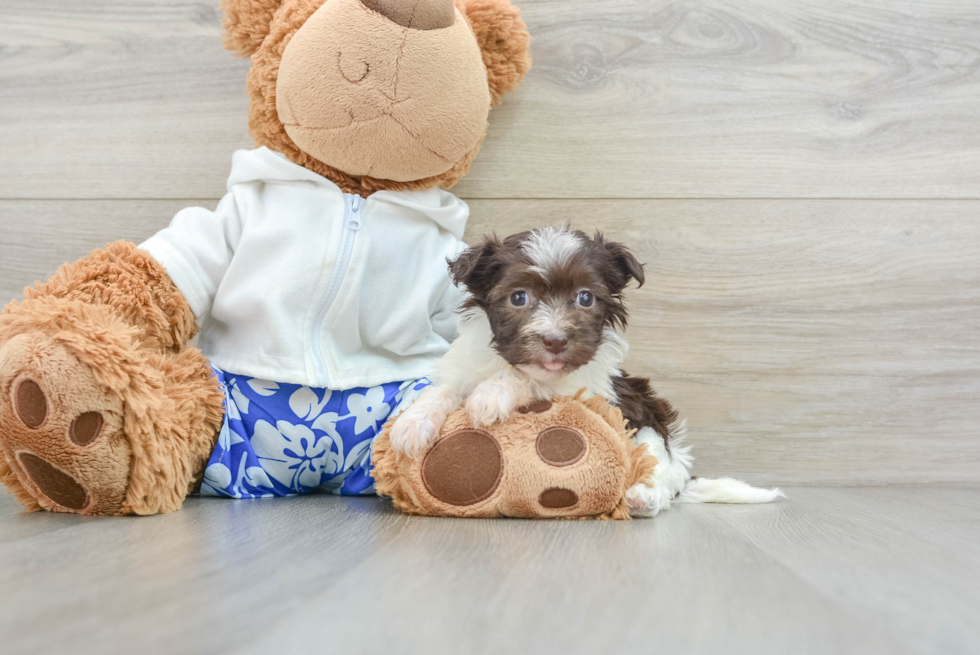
<point>246,23</point>
<point>504,42</point>
<point>642,407</point>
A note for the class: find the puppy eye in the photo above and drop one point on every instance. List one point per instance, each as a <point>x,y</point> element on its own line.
<point>518,298</point>
<point>585,299</point>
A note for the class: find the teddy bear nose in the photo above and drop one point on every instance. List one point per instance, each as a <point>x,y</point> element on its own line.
<point>416,14</point>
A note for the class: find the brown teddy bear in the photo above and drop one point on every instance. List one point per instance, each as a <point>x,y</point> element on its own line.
<point>319,283</point>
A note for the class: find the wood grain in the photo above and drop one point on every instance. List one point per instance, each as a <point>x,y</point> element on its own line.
<point>816,341</point>
<point>627,98</point>
<point>888,556</point>
<point>866,571</point>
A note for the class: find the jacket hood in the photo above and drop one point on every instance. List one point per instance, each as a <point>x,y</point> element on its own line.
<point>264,165</point>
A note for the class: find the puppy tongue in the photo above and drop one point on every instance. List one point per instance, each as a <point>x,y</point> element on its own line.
<point>554,366</point>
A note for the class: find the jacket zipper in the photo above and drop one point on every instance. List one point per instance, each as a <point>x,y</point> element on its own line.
<point>352,223</point>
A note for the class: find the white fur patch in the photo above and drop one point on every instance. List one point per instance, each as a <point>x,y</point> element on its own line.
<point>551,247</point>
<point>672,473</point>
<point>547,319</point>
<point>418,425</point>
<point>726,490</point>
<point>496,399</point>
<point>671,481</point>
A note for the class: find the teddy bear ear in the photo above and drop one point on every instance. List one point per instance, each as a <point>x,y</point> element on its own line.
<point>247,23</point>
<point>504,42</point>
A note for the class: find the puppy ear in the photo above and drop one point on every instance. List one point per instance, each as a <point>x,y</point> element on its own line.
<point>247,23</point>
<point>623,265</point>
<point>503,40</point>
<point>474,267</point>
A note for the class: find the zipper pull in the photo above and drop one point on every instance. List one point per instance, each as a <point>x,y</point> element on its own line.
<point>354,218</point>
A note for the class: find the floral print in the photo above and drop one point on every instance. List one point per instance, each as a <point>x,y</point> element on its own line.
<point>284,439</point>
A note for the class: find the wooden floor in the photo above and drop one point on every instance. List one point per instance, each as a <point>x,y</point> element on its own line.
<point>827,571</point>
<point>802,180</point>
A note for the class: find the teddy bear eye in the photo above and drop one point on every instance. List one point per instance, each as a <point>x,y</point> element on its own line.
<point>585,299</point>
<point>518,298</point>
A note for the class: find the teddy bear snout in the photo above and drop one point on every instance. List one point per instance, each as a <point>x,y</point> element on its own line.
<point>415,14</point>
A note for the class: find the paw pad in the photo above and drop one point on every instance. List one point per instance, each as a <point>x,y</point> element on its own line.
<point>85,428</point>
<point>557,498</point>
<point>53,483</point>
<point>535,407</point>
<point>463,468</point>
<point>560,446</point>
<point>31,405</point>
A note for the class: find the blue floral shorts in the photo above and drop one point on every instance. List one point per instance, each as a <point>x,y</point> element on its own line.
<point>285,439</point>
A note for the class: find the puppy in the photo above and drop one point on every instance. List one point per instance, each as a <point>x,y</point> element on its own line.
<point>544,317</point>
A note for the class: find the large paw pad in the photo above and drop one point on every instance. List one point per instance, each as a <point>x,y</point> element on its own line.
<point>463,468</point>
<point>54,483</point>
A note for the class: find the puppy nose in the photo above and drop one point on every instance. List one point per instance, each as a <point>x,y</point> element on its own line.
<point>416,14</point>
<point>555,343</point>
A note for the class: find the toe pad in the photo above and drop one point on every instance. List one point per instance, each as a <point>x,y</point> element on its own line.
<point>31,405</point>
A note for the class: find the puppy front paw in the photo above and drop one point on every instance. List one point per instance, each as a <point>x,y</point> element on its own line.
<point>489,403</point>
<point>415,429</point>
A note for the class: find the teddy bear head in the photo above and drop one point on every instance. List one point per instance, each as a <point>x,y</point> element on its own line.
<point>377,94</point>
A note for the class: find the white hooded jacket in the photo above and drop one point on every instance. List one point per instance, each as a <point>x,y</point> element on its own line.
<point>294,281</point>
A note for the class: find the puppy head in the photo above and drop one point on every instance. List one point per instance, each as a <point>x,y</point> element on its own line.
<point>549,295</point>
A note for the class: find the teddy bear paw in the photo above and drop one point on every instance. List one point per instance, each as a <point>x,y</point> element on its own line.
<point>61,433</point>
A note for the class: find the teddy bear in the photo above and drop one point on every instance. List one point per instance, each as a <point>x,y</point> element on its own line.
<point>318,286</point>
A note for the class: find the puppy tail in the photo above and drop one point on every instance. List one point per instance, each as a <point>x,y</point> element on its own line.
<point>672,483</point>
<point>725,490</point>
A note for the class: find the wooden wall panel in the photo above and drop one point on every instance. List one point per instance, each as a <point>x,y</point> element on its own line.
<point>806,341</point>
<point>627,98</point>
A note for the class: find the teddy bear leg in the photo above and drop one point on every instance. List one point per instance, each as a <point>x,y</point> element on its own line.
<point>102,409</point>
<point>79,435</point>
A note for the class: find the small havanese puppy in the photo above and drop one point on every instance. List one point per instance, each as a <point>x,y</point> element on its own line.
<point>545,317</point>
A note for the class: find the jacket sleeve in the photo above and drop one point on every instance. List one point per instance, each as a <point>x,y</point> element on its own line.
<point>196,249</point>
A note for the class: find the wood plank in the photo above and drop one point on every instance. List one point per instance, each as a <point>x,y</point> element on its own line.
<point>680,583</point>
<point>628,98</point>
<point>205,579</point>
<point>906,560</point>
<point>807,342</point>
<point>38,236</point>
<point>824,571</point>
